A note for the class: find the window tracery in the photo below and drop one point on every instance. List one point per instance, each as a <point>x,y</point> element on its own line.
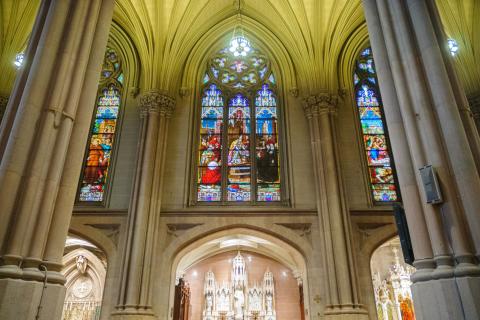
<point>238,158</point>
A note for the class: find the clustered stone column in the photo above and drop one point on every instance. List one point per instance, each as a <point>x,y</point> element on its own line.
<point>49,110</point>
<point>342,297</point>
<point>135,293</point>
<point>426,108</point>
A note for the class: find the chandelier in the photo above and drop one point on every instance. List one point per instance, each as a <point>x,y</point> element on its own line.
<point>239,45</point>
<point>19,58</point>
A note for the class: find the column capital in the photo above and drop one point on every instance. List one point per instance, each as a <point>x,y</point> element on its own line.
<point>474,105</point>
<point>156,102</point>
<point>321,103</point>
<point>3,105</point>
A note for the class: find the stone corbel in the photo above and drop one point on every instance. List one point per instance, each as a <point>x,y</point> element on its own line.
<point>184,92</point>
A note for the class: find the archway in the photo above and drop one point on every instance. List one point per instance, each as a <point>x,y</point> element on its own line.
<point>85,267</point>
<point>391,282</point>
<point>240,272</point>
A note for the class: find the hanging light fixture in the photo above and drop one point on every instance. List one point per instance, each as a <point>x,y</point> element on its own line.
<point>239,45</point>
<point>19,58</point>
<point>452,46</point>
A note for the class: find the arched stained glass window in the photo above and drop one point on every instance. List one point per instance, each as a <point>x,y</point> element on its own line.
<point>238,157</point>
<point>93,184</point>
<point>375,135</point>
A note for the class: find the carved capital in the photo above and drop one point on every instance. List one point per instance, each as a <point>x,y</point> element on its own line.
<point>3,105</point>
<point>474,102</point>
<point>156,102</point>
<point>322,103</point>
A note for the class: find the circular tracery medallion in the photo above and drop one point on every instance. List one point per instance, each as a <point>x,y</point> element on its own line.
<point>82,287</point>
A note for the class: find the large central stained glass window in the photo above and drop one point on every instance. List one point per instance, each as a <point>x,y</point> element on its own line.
<point>238,150</point>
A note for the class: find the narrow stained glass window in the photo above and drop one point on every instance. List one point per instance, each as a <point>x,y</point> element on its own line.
<point>238,160</point>
<point>375,136</point>
<point>97,161</point>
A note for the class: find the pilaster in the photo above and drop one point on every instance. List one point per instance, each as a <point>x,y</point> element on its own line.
<point>342,293</point>
<point>135,300</point>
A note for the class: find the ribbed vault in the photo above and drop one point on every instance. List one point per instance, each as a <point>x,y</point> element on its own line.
<point>313,36</point>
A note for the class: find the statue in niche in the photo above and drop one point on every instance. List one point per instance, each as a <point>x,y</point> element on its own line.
<point>254,300</point>
<point>209,304</point>
<point>239,302</point>
<point>223,300</point>
<point>269,303</point>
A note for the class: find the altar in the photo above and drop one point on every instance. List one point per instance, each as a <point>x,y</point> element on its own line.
<point>239,298</point>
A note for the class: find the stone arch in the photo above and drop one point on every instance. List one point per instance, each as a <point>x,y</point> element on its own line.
<point>285,247</point>
<point>85,268</point>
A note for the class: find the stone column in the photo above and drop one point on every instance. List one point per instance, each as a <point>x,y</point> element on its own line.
<point>342,295</point>
<point>135,292</point>
<point>35,136</point>
<point>432,123</point>
<point>405,169</point>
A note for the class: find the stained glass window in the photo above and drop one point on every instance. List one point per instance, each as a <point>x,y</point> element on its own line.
<point>375,137</point>
<point>97,161</point>
<point>238,157</point>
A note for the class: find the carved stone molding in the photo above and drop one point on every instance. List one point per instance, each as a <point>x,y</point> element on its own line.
<point>3,106</point>
<point>184,92</point>
<point>474,102</point>
<point>321,103</point>
<point>156,102</point>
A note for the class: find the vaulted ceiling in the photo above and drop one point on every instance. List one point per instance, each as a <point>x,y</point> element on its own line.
<point>311,37</point>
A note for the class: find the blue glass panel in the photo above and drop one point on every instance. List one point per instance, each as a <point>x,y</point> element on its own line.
<point>209,193</point>
<point>366,97</point>
<point>265,97</point>
<point>372,126</point>
<point>238,192</point>
<point>370,113</point>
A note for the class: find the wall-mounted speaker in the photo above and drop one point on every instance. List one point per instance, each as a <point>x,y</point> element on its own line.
<point>430,185</point>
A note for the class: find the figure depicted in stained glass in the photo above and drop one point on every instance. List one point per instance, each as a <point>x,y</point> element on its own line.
<point>94,179</point>
<point>373,128</point>
<point>267,160</point>
<point>247,83</point>
<point>239,153</point>
<point>406,308</point>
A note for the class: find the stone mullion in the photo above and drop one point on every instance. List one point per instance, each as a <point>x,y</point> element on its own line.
<point>400,150</point>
